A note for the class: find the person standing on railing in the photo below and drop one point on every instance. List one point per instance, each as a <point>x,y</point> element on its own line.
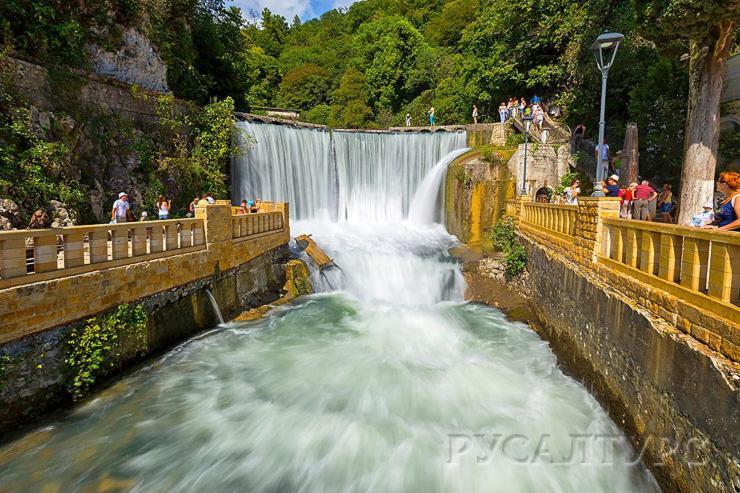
<point>728,215</point>
<point>644,193</point>
<point>163,208</point>
<point>121,207</point>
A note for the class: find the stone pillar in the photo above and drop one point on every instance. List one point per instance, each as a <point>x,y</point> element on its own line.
<point>630,156</point>
<point>520,201</point>
<point>589,227</point>
<point>284,207</point>
<point>216,222</point>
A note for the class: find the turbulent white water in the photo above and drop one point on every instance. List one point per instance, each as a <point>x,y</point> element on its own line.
<point>347,176</point>
<point>385,381</point>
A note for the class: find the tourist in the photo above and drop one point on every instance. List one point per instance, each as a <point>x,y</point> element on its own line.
<point>612,188</point>
<point>192,206</point>
<point>665,199</point>
<point>625,204</point>
<point>536,99</point>
<point>210,199</point>
<point>728,215</point>
<point>539,117</point>
<point>513,108</point>
<point>143,217</point>
<point>408,119</point>
<point>203,201</point>
<point>522,106</point>
<point>616,164</point>
<point>502,112</point>
<point>163,208</point>
<point>432,116</point>
<point>39,220</point>
<point>475,114</point>
<point>643,194</point>
<point>705,218</point>
<point>244,207</point>
<point>121,209</point>
<point>571,193</point>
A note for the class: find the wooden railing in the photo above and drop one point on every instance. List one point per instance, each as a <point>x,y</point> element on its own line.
<point>555,218</point>
<point>246,225</point>
<point>698,260</point>
<point>36,254</point>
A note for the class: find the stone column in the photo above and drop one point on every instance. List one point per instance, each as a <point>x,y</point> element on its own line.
<point>216,222</point>
<point>284,207</point>
<point>589,227</point>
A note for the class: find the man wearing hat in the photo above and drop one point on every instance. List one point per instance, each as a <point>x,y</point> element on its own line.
<point>120,208</point>
<point>612,186</point>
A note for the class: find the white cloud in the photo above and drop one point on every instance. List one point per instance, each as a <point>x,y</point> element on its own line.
<point>286,8</point>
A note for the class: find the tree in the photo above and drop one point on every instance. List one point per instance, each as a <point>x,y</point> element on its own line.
<point>709,28</point>
<point>304,87</point>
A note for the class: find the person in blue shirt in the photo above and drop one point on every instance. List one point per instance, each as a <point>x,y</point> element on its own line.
<point>536,99</point>
<point>612,187</point>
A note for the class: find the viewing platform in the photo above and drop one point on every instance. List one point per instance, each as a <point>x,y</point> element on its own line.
<point>50,277</point>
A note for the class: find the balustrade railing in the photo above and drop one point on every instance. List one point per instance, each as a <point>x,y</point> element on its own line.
<point>246,225</point>
<point>555,218</point>
<point>26,254</point>
<point>699,260</point>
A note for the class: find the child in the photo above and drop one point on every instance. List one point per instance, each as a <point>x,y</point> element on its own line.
<point>705,218</point>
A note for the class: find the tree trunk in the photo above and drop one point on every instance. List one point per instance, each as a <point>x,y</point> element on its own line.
<point>706,78</point>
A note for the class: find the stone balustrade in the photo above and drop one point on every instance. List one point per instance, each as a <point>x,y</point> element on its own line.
<point>700,261</point>
<point>49,278</point>
<point>249,225</point>
<point>688,277</point>
<point>34,255</point>
<point>555,218</point>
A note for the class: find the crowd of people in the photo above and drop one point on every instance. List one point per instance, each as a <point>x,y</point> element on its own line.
<point>122,211</point>
<point>642,202</point>
<point>519,107</point>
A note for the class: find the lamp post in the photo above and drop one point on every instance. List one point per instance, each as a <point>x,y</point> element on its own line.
<point>527,121</point>
<point>605,50</point>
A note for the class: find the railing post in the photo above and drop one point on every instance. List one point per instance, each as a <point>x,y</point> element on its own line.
<point>216,222</point>
<point>98,241</point>
<point>138,241</point>
<point>156,242</point>
<point>235,227</point>
<point>170,234</point>
<point>199,237</point>
<point>589,225</point>
<point>45,253</point>
<point>74,249</point>
<point>13,258</point>
<point>724,272</point>
<point>119,243</point>
<point>694,263</point>
<point>186,235</point>
<point>650,252</point>
<point>670,257</point>
<point>631,247</point>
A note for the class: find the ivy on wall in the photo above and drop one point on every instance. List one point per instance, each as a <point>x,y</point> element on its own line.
<point>98,346</point>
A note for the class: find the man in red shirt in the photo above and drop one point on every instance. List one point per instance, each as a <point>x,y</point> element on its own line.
<point>644,193</point>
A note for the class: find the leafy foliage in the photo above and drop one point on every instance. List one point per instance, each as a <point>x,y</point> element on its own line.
<point>98,346</point>
<point>515,258</point>
<point>504,233</point>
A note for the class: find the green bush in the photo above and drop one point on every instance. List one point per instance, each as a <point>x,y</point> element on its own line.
<point>99,345</point>
<point>515,258</point>
<point>504,233</point>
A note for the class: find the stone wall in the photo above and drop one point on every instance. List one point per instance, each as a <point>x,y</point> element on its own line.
<point>546,165</point>
<point>37,378</point>
<point>675,399</point>
<point>475,196</point>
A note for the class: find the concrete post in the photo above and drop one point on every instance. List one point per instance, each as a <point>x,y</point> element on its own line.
<point>589,226</point>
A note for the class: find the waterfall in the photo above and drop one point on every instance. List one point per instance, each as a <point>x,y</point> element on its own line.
<point>338,175</point>
<point>427,205</point>
<point>214,304</point>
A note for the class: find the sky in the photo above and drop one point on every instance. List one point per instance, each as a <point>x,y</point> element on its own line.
<point>305,9</point>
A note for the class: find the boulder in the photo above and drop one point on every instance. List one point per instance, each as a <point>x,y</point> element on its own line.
<point>61,217</point>
<point>10,215</point>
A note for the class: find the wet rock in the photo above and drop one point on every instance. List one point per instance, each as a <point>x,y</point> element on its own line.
<point>10,215</point>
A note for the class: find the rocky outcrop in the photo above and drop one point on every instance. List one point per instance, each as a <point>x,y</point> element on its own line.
<point>61,217</point>
<point>10,215</point>
<point>135,62</point>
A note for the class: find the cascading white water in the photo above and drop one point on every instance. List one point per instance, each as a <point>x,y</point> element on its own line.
<point>427,205</point>
<point>346,176</point>
<point>385,381</point>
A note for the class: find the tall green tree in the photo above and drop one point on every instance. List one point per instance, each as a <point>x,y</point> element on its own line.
<point>709,29</point>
